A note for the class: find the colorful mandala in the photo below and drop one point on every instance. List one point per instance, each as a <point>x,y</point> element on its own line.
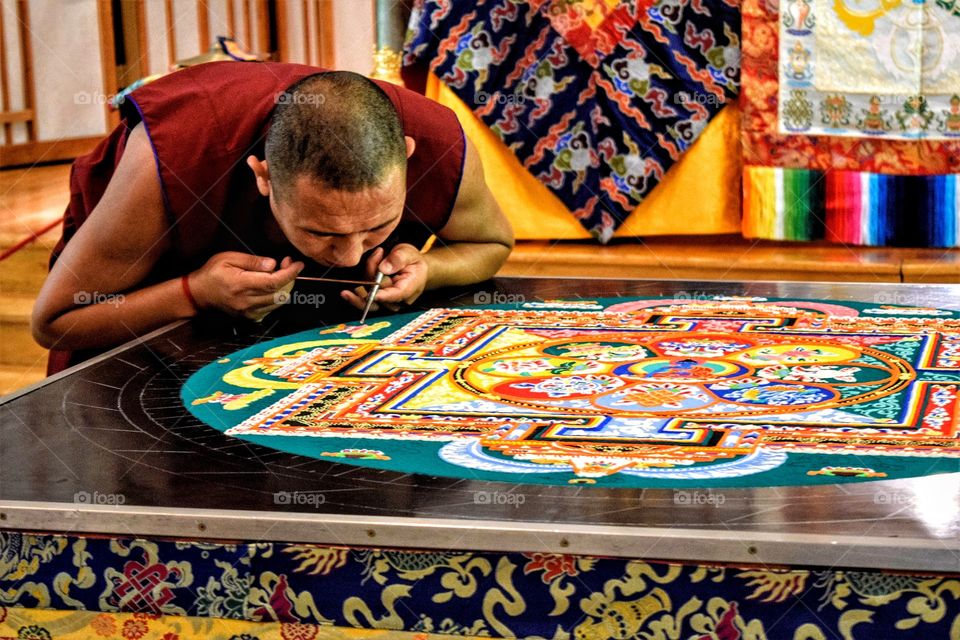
<point>648,392</point>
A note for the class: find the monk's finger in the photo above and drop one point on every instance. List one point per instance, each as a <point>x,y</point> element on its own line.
<point>402,256</point>
<point>285,275</point>
<point>399,290</point>
<point>357,301</point>
<point>257,283</point>
<point>248,262</point>
<point>394,293</point>
<point>273,299</point>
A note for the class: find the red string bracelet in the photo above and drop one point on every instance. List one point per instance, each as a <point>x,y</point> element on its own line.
<point>185,283</point>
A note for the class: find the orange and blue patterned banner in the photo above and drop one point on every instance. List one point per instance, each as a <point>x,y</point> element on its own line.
<point>597,98</point>
<point>204,589</point>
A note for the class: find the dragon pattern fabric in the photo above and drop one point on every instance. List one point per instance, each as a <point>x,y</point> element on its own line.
<point>57,587</point>
<point>597,98</point>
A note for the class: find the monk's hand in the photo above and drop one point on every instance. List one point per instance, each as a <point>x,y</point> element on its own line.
<point>405,278</point>
<point>244,285</point>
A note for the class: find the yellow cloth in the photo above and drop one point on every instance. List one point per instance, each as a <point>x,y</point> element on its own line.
<point>700,194</point>
<point>91,625</point>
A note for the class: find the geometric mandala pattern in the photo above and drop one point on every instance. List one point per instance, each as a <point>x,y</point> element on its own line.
<point>619,392</point>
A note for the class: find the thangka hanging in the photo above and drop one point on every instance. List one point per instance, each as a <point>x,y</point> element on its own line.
<point>890,69</point>
<point>866,156</point>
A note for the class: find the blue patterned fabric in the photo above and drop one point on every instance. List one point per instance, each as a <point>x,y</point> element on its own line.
<point>597,98</point>
<point>496,594</point>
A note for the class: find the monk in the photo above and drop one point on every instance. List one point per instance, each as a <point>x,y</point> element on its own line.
<point>225,181</point>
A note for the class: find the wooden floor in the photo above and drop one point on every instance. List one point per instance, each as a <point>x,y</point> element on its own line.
<point>32,198</point>
<point>29,200</point>
<point>733,258</point>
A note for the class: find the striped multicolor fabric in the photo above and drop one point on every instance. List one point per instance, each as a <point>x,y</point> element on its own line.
<point>852,207</point>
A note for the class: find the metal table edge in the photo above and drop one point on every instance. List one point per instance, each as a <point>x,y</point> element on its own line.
<point>648,543</point>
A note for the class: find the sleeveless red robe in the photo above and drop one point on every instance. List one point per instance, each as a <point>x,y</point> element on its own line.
<point>204,121</point>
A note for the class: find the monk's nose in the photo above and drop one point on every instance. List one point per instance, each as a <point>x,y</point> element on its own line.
<point>347,253</point>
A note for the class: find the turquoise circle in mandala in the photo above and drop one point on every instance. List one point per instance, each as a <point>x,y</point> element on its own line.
<point>635,392</point>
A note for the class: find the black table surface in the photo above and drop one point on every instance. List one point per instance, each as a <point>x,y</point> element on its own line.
<point>108,447</point>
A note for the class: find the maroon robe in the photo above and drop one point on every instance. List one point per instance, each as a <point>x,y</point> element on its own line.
<point>204,121</point>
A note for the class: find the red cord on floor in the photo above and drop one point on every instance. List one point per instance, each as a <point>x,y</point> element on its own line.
<point>31,238</point>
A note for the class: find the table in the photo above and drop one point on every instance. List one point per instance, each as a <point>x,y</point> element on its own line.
<point>107,448</point>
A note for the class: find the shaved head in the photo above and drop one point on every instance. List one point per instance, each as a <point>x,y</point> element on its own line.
<point>337,128</point>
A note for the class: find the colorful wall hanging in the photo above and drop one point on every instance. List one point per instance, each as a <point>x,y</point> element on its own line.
<point>861,184</point>
<point>597,98</point>
<point>892,70</point>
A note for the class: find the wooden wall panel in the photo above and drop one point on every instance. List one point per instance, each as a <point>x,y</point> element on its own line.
<point>14,98</point>
<point>293,32</point>
<point>245,27</point>
<point>144,52</point>
<point>262,22</point>
<point>203,25</point>
<point>4,85</point>
<point>186,29</point>
<point>67,70</point>
<point>219,19</point>
<point>73,67</point>
<point>231,18</point>
<point>325,33</point>
<point>354,24</point>
<point>156,36</point>
<point>109,73</point>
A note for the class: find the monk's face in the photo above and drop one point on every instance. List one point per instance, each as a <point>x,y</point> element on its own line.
<point>335,228</point>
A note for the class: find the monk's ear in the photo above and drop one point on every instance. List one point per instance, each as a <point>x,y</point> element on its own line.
<point>411,145</point>
<point>261,173</point>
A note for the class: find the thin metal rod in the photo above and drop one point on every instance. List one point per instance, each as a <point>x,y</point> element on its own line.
<point>372,296</point>
<point>366,282</point>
